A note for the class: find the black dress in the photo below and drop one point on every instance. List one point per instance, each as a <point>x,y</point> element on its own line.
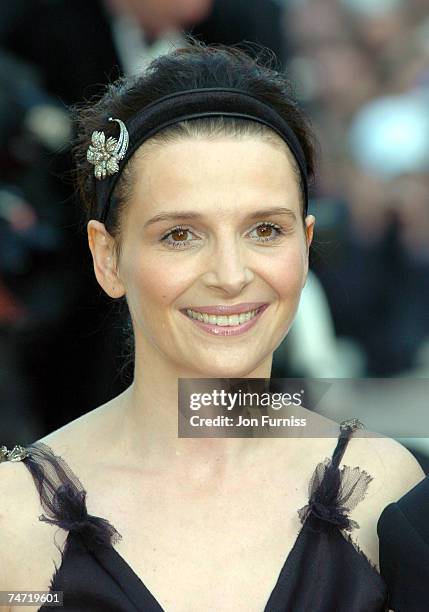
<point>324,572</point>
<point>403,529</point>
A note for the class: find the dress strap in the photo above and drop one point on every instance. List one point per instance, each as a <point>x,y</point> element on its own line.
<point>347,428</point>
<point>334,492</point>
<point>62,495</point>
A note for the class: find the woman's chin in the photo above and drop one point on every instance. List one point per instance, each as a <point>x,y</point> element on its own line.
<point>230,371</point>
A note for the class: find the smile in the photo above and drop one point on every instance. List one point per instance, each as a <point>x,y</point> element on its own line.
<point>225,325</point>
<point>222,320</point>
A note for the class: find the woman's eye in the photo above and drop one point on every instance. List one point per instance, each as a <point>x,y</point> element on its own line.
<point>266,232</point>
<point>177,237</point>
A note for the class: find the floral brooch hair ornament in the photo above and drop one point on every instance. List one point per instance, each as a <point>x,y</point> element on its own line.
<point>104,154</point>
<point>18,453</point>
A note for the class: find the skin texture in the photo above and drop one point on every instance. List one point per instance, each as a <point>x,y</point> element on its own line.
<point>224,180</point>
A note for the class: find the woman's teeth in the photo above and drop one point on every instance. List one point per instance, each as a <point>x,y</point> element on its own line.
<point>222,320</point>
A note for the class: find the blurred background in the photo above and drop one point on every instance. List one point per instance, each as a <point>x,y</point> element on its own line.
<point>360,68</point>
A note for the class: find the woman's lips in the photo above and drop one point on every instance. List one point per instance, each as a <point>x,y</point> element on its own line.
<point>228,330</point>
<point>227,309</point>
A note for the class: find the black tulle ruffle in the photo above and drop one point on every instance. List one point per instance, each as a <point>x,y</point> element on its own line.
<point>64,499</point>
<point>334,492</point>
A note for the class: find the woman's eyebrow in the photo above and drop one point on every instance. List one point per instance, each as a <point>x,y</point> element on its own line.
<point>183,214</point>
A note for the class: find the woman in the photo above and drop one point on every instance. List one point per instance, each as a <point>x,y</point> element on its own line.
<point>198,204</point>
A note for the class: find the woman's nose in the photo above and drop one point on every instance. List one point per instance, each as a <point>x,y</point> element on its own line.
<point>228,269</point>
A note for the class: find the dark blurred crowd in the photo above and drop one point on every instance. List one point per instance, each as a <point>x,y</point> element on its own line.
<point>359,67</point>
<point>362,69</point>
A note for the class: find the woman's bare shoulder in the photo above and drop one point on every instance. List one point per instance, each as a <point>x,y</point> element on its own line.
<point>19,500</point>
<point>84,442</point>
<point>393,468</point>
<point>22,534</point>
<point>386,470</point>
<point>20,503</point>
<point>391,472</point>
<point>80,436</point>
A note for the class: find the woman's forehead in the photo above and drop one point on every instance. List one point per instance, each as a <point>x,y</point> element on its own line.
<point>225,168</point>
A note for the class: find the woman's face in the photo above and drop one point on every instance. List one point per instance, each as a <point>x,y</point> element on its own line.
<point>240,239</point>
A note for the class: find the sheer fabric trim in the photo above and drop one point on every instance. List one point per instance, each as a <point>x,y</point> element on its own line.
<point>334,492</point>
<point>63,499</point>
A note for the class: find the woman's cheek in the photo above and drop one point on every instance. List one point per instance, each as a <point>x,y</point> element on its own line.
<point>287,275</point>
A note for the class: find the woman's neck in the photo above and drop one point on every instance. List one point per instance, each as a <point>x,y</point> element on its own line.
<point>145,425</point>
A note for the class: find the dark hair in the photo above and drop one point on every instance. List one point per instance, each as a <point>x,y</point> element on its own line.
<point>196,66</point>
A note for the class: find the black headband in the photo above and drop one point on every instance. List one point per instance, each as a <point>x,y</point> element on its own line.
<point>194,104</point>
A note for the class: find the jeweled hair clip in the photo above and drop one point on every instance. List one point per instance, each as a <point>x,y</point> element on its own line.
<point>18,453</point>
<point>104,154</point>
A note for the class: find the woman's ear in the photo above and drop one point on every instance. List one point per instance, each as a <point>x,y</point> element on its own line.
<point>309,230</point>
<point>103,253</point>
